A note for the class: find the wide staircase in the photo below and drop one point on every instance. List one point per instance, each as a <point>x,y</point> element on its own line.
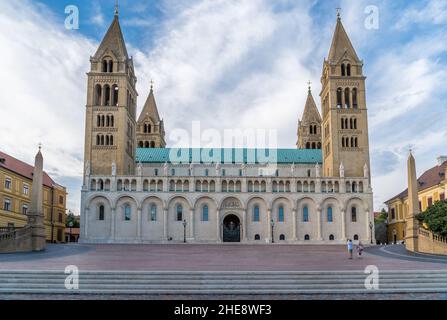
<point>220,283</point>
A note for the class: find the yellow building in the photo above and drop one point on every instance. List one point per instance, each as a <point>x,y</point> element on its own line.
<point>432,188</point>
<point>15,198</point>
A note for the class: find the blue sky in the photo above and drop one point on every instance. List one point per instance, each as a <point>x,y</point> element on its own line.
<point>229,64</point>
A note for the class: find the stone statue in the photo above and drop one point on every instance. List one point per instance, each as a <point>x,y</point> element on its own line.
<point>365,171</point>
<point>292,169</point>
<point>243,168</point>
<point>191,169</point>
<point>317,170</point>
<point>218,166</point>
<point>342,170</point>
<point>139,169</point>
<point>165,169</point>
<point>113,169</point>
<point>87,168</point>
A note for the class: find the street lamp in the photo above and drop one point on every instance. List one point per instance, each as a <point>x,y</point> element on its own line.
<point>184,231</point>
<point>371,230</point>
<point>273,225</point>
<point>70,224</point>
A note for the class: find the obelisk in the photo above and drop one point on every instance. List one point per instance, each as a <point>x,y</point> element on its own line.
<point>35,214</point>
<point>412,225</point>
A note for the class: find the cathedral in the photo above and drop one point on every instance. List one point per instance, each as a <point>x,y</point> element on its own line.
<point>136,190</point>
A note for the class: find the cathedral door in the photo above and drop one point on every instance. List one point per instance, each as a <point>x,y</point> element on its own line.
<point>231,229</point>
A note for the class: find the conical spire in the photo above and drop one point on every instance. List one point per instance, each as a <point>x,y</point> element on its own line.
<point>310,113</point>
<point>341,43</point>
<point>150,108</point>
<point>113,40</point>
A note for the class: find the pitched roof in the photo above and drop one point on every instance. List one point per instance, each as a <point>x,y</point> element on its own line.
<point>150,109</point>
<point>19,167</point>
<point>340,44</point>
<point>310,113</point>
<point>428,179</point>
<point>228,155</point>
<point>114,41</point>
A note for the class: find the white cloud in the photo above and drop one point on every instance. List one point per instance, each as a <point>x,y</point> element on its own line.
<point>43,90</point>
<point>427,12</point>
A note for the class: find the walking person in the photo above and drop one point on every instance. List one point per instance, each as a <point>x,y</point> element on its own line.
<point>350,248</point>
<point>360,249</point>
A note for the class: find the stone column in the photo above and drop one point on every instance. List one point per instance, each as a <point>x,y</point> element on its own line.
<point>294,222</point>
<point>269,224</point>
<point>191,224</point>
<point>411,223</point>
<point>244,225</point>
<point>343,224</point>
<point>319,210</point>
<point>35,215</point>
<point>86,217</point>
<point>113,224</point>
<point>165,223</point>
<point>139,223</point>
<point>219,236</point>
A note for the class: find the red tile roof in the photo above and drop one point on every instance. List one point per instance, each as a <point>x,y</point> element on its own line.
<point>19,167</point>
<point>428,179</point>
<point>74,231</point>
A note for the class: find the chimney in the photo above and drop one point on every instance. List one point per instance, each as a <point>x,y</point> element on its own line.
<point>441,160</point>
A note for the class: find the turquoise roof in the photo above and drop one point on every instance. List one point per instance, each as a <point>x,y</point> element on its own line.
<point>196,155</point>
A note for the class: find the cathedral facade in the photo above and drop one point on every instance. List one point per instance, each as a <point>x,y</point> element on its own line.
<point>136,190</point>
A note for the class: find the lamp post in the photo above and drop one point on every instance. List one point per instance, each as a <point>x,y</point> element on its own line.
<point>70,224</point>
<point>184,231</point>
<point>371,230</point>
<point>273,225</point>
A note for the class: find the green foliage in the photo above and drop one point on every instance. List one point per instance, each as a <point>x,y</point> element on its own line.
<point>436,218</point>
<point>382,218</point>
<point>71,218</point>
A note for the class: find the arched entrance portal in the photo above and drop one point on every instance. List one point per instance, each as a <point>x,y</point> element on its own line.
<point>231,229</point>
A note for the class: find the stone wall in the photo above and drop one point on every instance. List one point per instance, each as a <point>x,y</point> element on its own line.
<point>430,243</point>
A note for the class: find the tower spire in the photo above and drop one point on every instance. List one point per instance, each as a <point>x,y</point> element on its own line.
<point>116,8</point>
<point>338,13</point>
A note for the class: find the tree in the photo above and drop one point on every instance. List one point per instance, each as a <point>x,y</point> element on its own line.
<point>435,218</point>
<point>71,218</point>
<point>382,217</point>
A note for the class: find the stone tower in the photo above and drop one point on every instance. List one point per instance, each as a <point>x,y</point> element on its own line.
<point>309,127</point>
<point>150,128</point>
<point>111,107</point>
<point>411,223</point>
<point>343,101</point>
<point>35,214</point>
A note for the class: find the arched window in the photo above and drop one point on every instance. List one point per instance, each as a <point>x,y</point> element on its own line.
<point>141,144</point>
<point>282,237</point>
<point>146,144</point>
<point>305,214</point>
<point>101,213</point>
<point>355,123</point>
<point>346,123</point>
<point>351,122</point>
<point>347,104</point>
<point>205,213</point>
<point>103,121</point>
<point>281,214</point>
<point>127,212</point>
<point>152,144</point>
<point>104,66</point>
<point>331,237</point>
<point>107,140</point>
<point>314,146</point>
<point>319,145</point>
<point>256,213</point>
<point>343,142</point>
<point>311,129</point>
<point>348,70</point>
<point>98,95</point>
<point>356,237</point>
<point>306,237</point>
<point>308,145</point>
<point>343,70</point>
<point>98,121</point>
<point>354,214</point>
<point>179,212</point>
<point>354,98</point>
<point>110,68</point>
<point>98,140</point>
<point>115,92</point>
<point>339,97</point>
<point>107,95</point>
<point>342,123</point>
<point>330,217</point>
<point>149,128</point>
<point>153,212</point>
<point>257,237</point>
<point>102,140</point>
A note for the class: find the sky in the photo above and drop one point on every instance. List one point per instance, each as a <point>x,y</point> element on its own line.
<point>228,64</point>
